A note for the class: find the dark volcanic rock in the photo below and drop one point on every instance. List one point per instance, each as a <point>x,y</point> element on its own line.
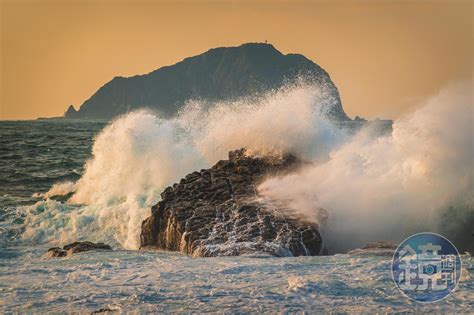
<point>216,212</point>
<point>56,252</point>
<point>104,310</point>
<point>76,247</point>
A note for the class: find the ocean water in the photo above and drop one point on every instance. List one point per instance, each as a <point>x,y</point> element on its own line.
<point>35,155</point>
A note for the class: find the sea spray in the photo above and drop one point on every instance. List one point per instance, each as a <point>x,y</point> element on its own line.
<point>291,119</point>
<point>385,188</point>
<point>372,187</point>
<point>136,156</point>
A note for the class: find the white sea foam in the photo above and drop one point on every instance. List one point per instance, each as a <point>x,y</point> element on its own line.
<point>384,188</point>
<point>139,154</point>
<point>152,282</point>
<point>373,187</point>
<point>59,189</point>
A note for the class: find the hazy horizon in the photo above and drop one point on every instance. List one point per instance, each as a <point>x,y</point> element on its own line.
<point>384,57</point>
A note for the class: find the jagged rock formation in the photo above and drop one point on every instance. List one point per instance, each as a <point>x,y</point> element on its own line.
<point>216,212</point>
<point>218,74</point>
<point>76,247</point>
<point>71,112</point>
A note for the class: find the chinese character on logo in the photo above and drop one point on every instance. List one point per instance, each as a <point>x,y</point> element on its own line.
<point>426,267</point>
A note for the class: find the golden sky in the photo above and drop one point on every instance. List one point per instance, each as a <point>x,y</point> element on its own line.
<point>384,56</point>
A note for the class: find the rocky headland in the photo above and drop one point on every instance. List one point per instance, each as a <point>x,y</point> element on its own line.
<point>217,212</point>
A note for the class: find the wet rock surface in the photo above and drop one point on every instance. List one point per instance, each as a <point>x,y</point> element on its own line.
<point>76,247</point>
<point>216,212</point>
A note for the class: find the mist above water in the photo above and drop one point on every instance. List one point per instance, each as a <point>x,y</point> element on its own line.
<point>385,188</point>
<point>373,187</point>
<point>139,154</point>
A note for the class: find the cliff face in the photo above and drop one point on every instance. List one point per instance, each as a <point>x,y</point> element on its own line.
<point>215,212</point>
<point>218,74</point>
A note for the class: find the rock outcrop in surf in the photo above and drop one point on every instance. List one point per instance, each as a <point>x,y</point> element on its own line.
<point>76,247</point>
<point>216,212</point>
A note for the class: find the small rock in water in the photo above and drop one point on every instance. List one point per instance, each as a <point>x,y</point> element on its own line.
<point>76,247</point>
<point>378,249</point>
<point>56,252</point>
<point>104,310</point>
<point>381,245</point>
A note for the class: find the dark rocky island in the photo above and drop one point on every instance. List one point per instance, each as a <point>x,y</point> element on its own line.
<point>219,74</point>
<point>216,212</point>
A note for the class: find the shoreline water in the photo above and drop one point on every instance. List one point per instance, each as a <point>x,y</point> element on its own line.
<point>170,282</point>
<point>40,154</point>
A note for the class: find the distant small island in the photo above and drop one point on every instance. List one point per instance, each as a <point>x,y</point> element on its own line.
<point>50,118</point>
